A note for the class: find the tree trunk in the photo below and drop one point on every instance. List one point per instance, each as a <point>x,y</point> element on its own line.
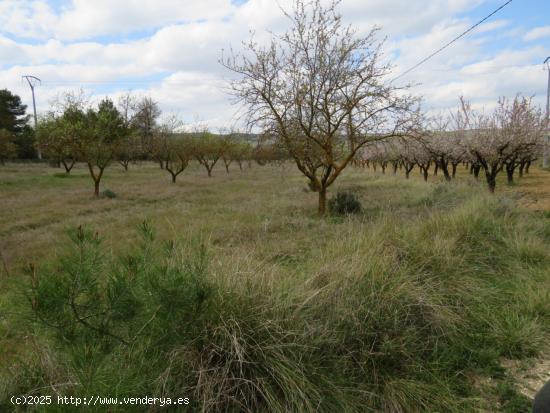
<point>491,178</point>
<point>173,178</point>
<point>521,168</point>
<point>322,201</point>
<point>454,165</point>
<point>510,173</point>
<point>445,169</point>
<point>527,167</point>
<point>96,178</point>
<point>436,169</point>
<point>394,166</point>
<point>477,168</point>
<point>408,171</point>
<point>425,174</point>
<point>68,166</point>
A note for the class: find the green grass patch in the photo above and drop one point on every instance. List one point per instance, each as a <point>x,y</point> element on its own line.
<point>251,303</point>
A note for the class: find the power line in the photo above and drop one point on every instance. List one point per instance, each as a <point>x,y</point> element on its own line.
<point>452,41</point>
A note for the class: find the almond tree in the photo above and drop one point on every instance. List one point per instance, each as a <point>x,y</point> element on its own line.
<point>419,156</point>
<point>242,152</point>
<point>179,155</point>
<point>322,91</point>
<point>57,136</point>
<point>496,139</point>
<point>100,133</point>
<point>207,150</point>
<point>129,149</point>
<point>438,142</point>
<point>172,148</point>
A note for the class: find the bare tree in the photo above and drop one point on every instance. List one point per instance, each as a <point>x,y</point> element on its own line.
<point>145,113</point>
<point>322,91</point>
<point>496,141</point>
<point>130,148</point>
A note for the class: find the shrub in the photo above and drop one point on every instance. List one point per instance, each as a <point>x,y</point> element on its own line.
<point>344,203</point>
<point>152,323</point>
<point>109,194</point>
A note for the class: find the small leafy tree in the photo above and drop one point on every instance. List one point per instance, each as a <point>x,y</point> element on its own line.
<point>57,137</point>
<point>171,148</point>
<point>207,150</point>
<point>229,149</point>
<point>129,149</point>
<point>179,154</point>
<point>91,299</point>
<point>243,152</point>
<point>100,134</point>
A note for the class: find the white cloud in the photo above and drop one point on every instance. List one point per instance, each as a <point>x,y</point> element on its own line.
<point>537,33</point>
<point>85,19</point>
<point>180,43</point>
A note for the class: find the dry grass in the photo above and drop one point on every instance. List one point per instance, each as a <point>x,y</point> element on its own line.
<point>38,204</point>
<point>266,240</point>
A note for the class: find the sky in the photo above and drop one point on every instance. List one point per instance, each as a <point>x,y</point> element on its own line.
<point>169,49</point>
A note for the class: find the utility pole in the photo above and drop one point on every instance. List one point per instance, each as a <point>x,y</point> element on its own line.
<point>33,81</point>
<point>546,148</point>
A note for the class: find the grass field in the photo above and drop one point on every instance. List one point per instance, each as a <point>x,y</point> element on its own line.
<point>419,304</point>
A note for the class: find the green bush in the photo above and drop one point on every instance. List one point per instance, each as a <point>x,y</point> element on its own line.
<point>152,323</point>
<point>344,203</point>
<point>109,194</point>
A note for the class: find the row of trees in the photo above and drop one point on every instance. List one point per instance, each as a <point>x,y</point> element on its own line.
<point>87,134</point>
<point>127,133</point>
<point>508,139</point>
<point>322,96</point>
<point>325,95</point>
